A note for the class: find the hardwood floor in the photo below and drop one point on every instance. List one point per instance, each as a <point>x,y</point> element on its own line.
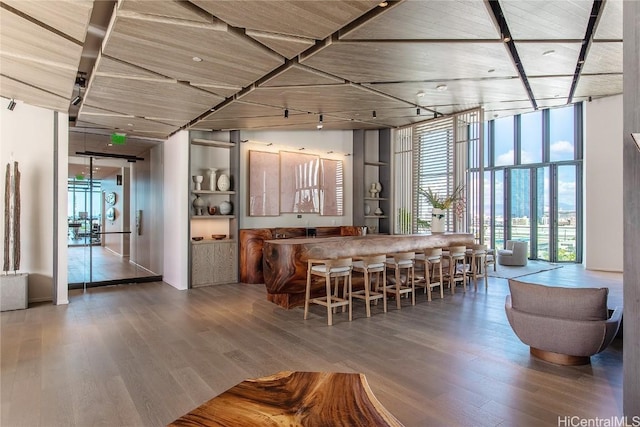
<point>145,354</point>
<point>106,265</point>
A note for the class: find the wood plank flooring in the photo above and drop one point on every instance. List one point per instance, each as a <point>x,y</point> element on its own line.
<point>106,265</point>
<point>145,354</point>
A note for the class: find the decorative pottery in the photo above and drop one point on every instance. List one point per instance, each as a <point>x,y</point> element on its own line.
<point>378,211</point>
<point>212,210</point>
<point>378,188</point>
<point>197,180</point>
<point>198,204</point>
<point>367,209</point>
<point>373,190</point>
<point>224,183</point>
<point>226,208</point>
<point>211,173</point>
<point>438,220</point>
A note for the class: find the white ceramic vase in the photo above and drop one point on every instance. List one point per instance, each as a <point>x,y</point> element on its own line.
<point>224,183</point>
<point>197,180</point>
<point>438,220</point>
<point>367,209</point>
<point>226,208</point>
<point>211,172</point>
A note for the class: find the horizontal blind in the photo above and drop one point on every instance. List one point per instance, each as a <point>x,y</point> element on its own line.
<point>433,167</point>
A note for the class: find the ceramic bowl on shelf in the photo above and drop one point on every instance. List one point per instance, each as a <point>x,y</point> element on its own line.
<point>197,238</point>
<point>218,236</point>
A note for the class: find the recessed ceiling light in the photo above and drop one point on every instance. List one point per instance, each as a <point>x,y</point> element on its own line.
<point>441,87</point>
<point>506,39</point>
<point>129,124</point>
<point>109,145</point>
<point>383,4</point>
<point>548,52</point>
<point>420,94</point>
<point>197,59</point>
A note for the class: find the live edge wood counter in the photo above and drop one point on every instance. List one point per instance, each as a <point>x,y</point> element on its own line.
<point>284,261</point>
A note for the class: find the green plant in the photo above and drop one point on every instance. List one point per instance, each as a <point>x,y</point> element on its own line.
<point>442,202</point>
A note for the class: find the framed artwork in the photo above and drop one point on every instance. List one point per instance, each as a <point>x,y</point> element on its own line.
<point>331,187</point>
<point>264,184</point>
<point>299,183</point>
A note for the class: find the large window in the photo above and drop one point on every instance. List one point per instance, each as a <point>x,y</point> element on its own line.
<point>532,182</point>
<point>521,174</point>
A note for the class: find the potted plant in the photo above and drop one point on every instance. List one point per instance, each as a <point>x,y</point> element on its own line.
<point>440,204</point>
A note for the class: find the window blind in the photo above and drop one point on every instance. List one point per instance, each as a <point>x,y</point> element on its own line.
<point>433,166</point>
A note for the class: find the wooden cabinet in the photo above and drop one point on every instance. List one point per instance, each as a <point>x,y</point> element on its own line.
<point>213,262</point>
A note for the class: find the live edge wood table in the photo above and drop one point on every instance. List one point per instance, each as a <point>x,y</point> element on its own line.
<point>284,261</point>
<point>294,399</point>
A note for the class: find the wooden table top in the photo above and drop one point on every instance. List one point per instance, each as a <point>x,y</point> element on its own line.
<point>294,399</point>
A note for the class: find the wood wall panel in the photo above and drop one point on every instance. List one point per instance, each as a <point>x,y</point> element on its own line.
<point>631,180</point>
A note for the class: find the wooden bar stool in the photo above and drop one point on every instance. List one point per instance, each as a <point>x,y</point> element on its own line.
<point>369,266</point>
<point>329,269</point>
<point>457,267</point>
<point>432,259</point>
<point>398,262</point>
<point>477,256</point>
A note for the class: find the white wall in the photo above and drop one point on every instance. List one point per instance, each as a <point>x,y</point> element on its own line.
<point>603,184</point>
<point>314,142</point>
<point>176,210</point>
<point>27,136</point>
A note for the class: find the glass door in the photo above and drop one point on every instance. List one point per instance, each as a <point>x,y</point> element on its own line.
<point>108,244</point>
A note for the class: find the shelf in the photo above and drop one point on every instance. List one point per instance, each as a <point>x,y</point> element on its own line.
<point>376,216</point>
<point>209,241</point>
<point>212,216</point>
<point>376,164</point>
<point>211,143</point>
<point>212,192</point>
<point>375,198</point>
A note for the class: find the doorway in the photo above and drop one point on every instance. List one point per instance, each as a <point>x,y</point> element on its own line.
<point>106,244</point>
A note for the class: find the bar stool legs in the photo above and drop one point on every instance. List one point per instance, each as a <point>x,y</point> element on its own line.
<point>329,269</point>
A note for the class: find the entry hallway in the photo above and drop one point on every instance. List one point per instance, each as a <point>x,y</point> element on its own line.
<point>145,354</point>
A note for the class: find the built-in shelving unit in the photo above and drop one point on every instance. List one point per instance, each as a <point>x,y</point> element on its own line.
<point>371,155</point>
<point>213,260</point>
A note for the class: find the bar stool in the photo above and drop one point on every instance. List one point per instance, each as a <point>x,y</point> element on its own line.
<point>431,258</point>
<point>477,256</point>
<point>457,267</point>
<point>490,259</point>
<point>329,269</point>
<point>398,262</point>
<point>369,266</point>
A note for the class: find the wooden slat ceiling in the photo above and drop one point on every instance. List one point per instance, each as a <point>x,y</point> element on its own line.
<point>341,59</point>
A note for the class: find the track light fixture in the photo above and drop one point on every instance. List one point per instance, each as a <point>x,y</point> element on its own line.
<point>286,113</point>
<point>435,115</point>
<point>12,104</point>
<point>418,111</point>
<point>374,114</point>
<point>320,124</point>
<point>76,100</point>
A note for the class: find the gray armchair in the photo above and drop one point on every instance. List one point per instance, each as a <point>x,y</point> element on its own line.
<point>514,254</point>
<point>565,326</point>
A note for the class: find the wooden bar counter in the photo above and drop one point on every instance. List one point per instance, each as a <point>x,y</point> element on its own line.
<point>284,261</point>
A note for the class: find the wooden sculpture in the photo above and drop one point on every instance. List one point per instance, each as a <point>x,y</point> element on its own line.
<point>11,260</point>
